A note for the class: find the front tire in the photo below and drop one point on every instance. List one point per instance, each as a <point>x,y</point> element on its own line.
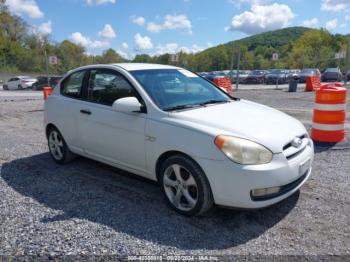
<point>185,186</point>
<point>59,150</point>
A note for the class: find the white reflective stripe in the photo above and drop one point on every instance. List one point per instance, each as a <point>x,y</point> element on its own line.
<point>330,107</point>
<point>328,127</point>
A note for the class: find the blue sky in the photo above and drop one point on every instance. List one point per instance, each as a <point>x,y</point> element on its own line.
<point>155,27</point>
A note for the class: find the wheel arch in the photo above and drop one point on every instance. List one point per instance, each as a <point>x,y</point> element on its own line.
<point>171,153</point>
<point>48,127</point>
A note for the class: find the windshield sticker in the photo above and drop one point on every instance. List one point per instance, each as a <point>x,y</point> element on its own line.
<point>187,73</point>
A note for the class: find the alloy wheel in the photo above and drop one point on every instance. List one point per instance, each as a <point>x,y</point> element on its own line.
<point>180,187</point>
<point>56,145</point>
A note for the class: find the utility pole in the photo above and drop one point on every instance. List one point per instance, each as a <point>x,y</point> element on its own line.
<point>47,67</point>
<point>347,66</point>
<point>238,62</point>
<point>232,55</point>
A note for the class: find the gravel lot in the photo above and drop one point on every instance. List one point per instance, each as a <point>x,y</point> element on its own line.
<point>87,208</point>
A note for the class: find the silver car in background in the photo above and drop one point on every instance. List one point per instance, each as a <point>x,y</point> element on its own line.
<point>19,82</point>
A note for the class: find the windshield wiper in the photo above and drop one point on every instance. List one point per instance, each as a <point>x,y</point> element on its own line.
<point>180,107</point>
<point>213,101</point>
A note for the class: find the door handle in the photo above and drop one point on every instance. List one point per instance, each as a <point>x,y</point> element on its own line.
<point>85,111</point>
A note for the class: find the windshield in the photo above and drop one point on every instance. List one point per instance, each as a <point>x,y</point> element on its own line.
<point>172,89</point>
<point>334,70</point>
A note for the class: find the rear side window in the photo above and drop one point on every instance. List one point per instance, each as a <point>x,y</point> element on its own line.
<point>72,86</point>
<point>106,86</point>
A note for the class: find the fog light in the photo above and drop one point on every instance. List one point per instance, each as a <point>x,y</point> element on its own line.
<point>265,191</point>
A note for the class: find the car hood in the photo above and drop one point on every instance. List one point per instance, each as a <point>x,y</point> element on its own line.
<point>244,119</point>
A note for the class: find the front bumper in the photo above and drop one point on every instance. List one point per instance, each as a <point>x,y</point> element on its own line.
<point>232,183</point>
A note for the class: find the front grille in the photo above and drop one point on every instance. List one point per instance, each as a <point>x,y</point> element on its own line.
<point>291,151</point>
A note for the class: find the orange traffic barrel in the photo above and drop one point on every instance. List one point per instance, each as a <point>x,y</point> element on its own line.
<point>224,83</point>
<point>312,83</point>
<point>47,91</point>
<point>329,114</point>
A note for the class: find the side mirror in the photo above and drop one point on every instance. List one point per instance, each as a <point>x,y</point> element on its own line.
<point>127,105</point>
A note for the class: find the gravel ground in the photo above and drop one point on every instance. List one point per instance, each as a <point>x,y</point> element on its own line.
<point>87,208</point>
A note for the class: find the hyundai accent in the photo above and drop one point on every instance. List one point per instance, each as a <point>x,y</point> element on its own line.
<point>170,125</point>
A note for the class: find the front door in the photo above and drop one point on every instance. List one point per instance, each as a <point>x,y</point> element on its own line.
<point>106,134</point>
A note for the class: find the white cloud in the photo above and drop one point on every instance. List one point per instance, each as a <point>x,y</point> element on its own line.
<point>335,5</point>
<point>238,3</point>
<point>143,42</point>
<point>140,20</point>
<point>45,28</point>
<point>195,49</point>
<point>173,48</point>
<point>311,22</point>
<point>107,32</point>
<point>25,7</point>
<point>123,53</point>
<point>99,2</point>
<point>154,28</point>
<point>170,48</point>
<point>262,18</point>
<point>86,42</point>
<point>171,22</point>
<point>123,50</point>
<point>125,46</point>
<point>331,24</point>
<point>347,18</point>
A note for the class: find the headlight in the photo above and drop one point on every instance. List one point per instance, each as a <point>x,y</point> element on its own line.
<point>243,151</point>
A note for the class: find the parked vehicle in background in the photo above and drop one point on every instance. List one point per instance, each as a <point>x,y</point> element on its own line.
<point>242,75</point>
<point>347,76</point>
<point>306,72</point>
<point>332,74</point>
<point>19,82</point>
<point>276,76</point>
<point>171,126</point>
<point>215,74</point>
<point>255,77</point>
<point>202,74</point>
<point>232,75</point>
<point>43,81</point>
<point>293,73</point>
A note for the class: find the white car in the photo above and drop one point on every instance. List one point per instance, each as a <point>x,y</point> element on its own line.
<point>170,125</point>
<point>19,82</point>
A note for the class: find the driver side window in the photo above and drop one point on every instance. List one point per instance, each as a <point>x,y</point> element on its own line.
<point>106,86</point>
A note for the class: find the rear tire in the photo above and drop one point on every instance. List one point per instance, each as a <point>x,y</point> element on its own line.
<point>185,186</point>
<point>5,87</point>
<point>58,148</point>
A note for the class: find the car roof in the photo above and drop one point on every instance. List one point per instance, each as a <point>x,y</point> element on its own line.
<point>127,66</point>
<point>143,66</point>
